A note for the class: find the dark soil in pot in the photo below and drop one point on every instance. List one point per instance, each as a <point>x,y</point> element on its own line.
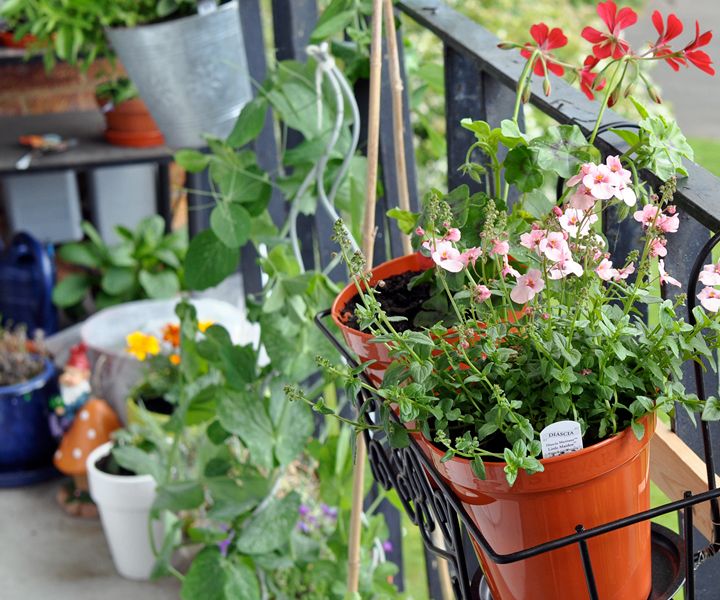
<point>108,464</point>
<point>396,299</point>
<point>157,404</point>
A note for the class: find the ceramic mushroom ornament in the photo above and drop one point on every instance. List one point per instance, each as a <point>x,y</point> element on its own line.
<point>92,427</point>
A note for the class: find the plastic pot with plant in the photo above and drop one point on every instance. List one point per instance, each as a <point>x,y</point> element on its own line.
<point>484,397</point>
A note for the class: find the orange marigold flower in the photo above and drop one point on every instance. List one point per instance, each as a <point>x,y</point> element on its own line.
<point>175,359</point>
<point>171,334</point>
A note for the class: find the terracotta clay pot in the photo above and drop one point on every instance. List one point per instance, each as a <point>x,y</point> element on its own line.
<point>596,485</point>
<point>7,39</point>
<point>130,124</point>
<point>360,342</point>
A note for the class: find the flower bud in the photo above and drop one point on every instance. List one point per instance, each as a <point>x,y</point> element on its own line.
<point>507,45</point>
<point>654,94</point>
<point>557,211</point>
<point>547,88</point>
<point>612,101</point>
<point>526,94</point>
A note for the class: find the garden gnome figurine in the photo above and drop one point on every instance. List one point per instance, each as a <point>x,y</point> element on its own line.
<point>74,390</point>
<point>92,427</point>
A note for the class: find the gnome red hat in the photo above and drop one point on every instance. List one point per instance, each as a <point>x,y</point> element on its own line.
<point>78,357</point>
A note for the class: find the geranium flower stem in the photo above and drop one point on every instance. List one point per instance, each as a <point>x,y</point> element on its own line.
<point>608,92</point>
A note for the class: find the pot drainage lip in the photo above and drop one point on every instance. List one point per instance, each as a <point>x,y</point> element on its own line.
<point>23,477</point>
<point>668,567</point>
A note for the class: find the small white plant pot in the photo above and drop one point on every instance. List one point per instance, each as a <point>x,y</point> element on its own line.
<point>124,504</point>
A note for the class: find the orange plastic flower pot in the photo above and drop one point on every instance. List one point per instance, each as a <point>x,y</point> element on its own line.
<point>596,485</point>
<point>360,342</point>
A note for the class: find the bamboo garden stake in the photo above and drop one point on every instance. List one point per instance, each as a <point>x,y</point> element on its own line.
<point>368,251</point>
<point>396,88</point>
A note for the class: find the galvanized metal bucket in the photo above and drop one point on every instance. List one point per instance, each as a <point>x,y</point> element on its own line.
<point>191,72</point>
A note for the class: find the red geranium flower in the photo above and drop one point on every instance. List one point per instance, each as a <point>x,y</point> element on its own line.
<point>697,57</point>
<point>604,44</point>
<point>546,40</point>
<point>587,78</point>
<point>662,49</point>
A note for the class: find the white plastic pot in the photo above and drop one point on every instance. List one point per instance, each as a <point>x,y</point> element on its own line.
<point>124,504</point>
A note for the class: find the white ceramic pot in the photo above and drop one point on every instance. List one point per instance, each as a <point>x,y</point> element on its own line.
<point>124,504</point>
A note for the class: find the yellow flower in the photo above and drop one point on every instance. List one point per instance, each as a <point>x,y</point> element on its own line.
<point>175,359</point>
<point>140,345</point>
<point>203,326</point>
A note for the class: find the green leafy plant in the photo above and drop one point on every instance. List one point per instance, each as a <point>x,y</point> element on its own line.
<point>146,263</point>
<point>539,322</point>
<point>234,475</point>
<point>115,91</point>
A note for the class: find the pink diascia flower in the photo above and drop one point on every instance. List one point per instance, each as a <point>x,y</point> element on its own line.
<point>419,231</point>
<point>625,272</point>
<point>453,235</point>
<point>470,256</point>
<point>710,275</point>
<point>667,223</point>
<point>481,293</point>
<point>582,199</point>
<point>554,246</point>
<point>710,299</point>
<point>532,239</point>
<point>605,270</point>
<point>657,248</point>
<point>577,222</point>
<point>565,267</point>
<point>664,277</point>
<point>600,181</point>
<point>584,170</point>
<point>527,287</point>
<point>647,215</point>
<point>508,270</point>
<point>447,257</point>
<point>499,248</point>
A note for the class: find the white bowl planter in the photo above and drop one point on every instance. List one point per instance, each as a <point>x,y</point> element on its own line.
<point>124,504</point>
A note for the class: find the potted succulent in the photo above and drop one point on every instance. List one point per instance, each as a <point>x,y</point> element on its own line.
<point>539,335</point>
<point>27,382</point>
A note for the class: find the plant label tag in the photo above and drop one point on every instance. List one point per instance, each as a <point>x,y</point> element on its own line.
<point>560,438</point>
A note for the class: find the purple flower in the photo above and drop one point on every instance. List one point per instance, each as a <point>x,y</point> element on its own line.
<point>303,526</point>
<point>387,546</point>
<point>329,511</point>
<point>304,510</point>
<point>224,545</point>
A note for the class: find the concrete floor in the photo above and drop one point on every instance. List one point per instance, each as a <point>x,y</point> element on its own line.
<point>45,554</point>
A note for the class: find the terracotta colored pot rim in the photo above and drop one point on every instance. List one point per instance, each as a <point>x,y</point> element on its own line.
<point>620,443</point>
<point>403,264</point>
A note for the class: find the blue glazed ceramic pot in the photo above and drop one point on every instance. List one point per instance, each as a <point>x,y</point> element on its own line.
<point>26,445</point>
